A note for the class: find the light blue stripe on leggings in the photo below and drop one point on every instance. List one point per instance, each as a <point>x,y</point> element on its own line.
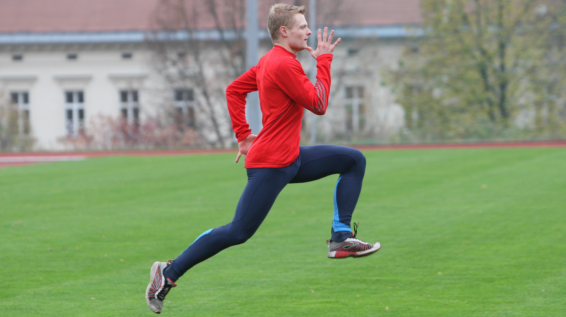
<point>336,224</point>
<point>204,233</point>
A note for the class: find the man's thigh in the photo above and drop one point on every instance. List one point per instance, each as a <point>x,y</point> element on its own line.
<point>263,187</point>
<point>318,161</point>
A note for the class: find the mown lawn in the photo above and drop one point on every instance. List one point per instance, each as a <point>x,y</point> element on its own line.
<point>472,232</point>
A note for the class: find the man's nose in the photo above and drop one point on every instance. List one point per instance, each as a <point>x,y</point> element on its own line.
<point>309,31</point>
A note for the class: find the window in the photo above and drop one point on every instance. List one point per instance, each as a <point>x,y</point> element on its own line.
<point>74,112</point>
<point>355,109</point>
<point>127,55</point>
<point>130,107</point>
<point>20,102</point>
<point>17,57</point>
<point>72,56</point>
<point>184,108</point>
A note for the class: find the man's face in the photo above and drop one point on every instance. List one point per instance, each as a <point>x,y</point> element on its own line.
<point>299,34</point>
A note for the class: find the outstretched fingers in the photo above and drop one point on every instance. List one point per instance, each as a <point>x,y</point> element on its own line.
<point>324,45</point>
<point>336,43</point>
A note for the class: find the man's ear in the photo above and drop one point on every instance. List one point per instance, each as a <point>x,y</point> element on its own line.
<point>283,31</point>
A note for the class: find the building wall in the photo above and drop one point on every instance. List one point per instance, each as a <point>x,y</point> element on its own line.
<point>101,72</point>
<point>46,73</point>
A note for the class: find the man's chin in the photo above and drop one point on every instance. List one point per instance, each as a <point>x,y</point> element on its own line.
<point>298,49</point>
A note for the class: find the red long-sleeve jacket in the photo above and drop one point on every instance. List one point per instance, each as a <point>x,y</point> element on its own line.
<point>284,91</point>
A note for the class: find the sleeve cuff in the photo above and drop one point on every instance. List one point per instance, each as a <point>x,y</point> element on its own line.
<point>326,56</point>
<point>243,136</point>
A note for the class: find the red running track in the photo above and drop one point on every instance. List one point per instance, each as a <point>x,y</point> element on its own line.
<point>18,159</point>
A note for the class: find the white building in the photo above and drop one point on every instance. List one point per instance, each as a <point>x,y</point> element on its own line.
<point>64,62</point>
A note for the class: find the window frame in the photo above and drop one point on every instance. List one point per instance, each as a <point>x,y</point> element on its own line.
<point>185,111</point>
<point>22,109</point>
<point>130,107</point>
<point>355,108</point>
<point>74,112</point>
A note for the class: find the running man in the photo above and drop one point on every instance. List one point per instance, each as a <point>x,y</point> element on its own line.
<point>274,157</point>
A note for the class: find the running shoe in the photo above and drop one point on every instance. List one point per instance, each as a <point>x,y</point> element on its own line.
<point>158,287</point>
<point>351,247</point>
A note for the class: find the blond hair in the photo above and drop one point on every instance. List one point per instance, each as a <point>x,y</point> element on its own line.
<point>282,14</point>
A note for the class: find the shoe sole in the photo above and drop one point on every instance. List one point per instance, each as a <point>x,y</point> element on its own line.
<point>344,254</point>
<point>154,269</point>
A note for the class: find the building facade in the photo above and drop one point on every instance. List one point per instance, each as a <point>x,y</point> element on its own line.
<point>60,76</point>
<point>62,86</point>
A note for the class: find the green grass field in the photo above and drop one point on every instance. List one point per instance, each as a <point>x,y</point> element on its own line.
<point>471,232</point>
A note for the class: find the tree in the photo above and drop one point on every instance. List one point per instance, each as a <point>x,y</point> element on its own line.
<point>199,46</point>
<point>482,69</point>
<point>549,80</point>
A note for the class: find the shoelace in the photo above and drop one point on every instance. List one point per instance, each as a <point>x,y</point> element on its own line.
<point>356,229</point>
<point>365,244</point>
<point>355,233</point>
<point>166,289</point>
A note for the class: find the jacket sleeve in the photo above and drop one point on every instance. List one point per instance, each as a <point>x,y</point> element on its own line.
<point>295,83</point>
<point>236,94</point>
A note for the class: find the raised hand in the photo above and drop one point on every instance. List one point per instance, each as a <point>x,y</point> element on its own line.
<point>324,45</point>
<point>244,146</point>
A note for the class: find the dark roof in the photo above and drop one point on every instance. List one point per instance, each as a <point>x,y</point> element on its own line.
<point>56,16</point>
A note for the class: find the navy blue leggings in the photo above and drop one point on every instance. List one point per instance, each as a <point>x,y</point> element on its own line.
<point>265,184</point>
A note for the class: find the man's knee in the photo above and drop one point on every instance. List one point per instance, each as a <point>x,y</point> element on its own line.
<point>241,238</point>
<point>239,235</point>
<point>359,159</point>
